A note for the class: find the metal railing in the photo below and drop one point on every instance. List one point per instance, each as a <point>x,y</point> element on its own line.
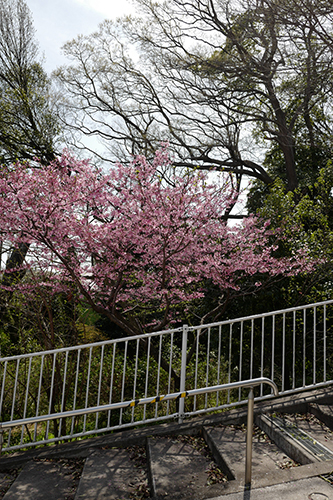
<point>292,347</point>
<point>167,397</point>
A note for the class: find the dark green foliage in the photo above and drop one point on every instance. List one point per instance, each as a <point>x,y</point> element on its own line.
<point>28,123</point>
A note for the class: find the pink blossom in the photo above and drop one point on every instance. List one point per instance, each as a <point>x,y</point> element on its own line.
<point>127,238</point>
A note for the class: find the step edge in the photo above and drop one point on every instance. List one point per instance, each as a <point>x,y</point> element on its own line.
<point>221,461</point>
<point>290,446</point>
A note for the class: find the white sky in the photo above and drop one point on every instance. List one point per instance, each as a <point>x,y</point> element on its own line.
<point>58,21</point>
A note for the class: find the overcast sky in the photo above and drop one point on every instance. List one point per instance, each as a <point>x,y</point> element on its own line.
<point>57,21</point>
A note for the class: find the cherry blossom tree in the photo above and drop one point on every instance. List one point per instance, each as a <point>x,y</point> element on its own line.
<point>132,244</point>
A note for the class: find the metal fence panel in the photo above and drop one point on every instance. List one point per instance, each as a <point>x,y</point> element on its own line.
<point>293,347</point>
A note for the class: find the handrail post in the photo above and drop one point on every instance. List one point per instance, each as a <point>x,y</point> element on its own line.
<point>183,375</point>
<point>1,438</point>
<point>249,434</point>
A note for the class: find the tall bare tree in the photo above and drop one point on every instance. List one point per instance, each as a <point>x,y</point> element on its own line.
<point>217,79</point>
<point>28,123</point>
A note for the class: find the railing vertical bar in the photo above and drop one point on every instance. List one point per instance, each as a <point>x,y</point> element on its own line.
<point>75,386</point>
<point>283,349</point>
<point>99,384</point>
<point>196,370</point>
<point>158,374</point>
<point>207,366</point>
<point>230,359</point>
<point>135,375</point>
<point>273,347</point>
<point>251,355</point>
<point>249,437</point>
<point>262,352</point>
<point>304,347</point>
<point>3,385</point>
<point>14,396</point>
<point>218,365</point>
<point>170,368</point>
<point>1,398</point>
<point>181,406</point>
<point>241,359</point>
<point>63,392</point>
<point>51,394</point>
<point>87,390</point>
<point>294,349</point>
<point>111,381</point>
<point>15,388</point>
<point>314,343</point>
<point>324,333</point>
<point>26,398</point>
<point>27,388</point>
<point>123,382</point>
<point>147,377</point>
<point>39,391</point>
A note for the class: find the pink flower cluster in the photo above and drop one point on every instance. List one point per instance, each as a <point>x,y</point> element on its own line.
<point>130,236</point>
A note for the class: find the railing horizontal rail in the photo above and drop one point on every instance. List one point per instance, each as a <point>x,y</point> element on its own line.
<point>136,402</point>
<point>261,315</point>
<point>142,336</point>
<point>175,330</point>
<point>193,392</point>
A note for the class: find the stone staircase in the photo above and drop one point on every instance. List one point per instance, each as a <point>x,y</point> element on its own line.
<point>200,459</point>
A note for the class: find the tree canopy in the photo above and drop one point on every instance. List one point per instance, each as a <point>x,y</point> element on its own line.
<point>219,80</point>
<point>131,245</point>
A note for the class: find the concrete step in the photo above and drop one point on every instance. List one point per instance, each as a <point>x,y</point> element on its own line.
<point>109,474</point>
<point>227,444</point>
<point>317,430</point>
<point>179,471</point>
<point>179,466</point>
<point>302,437</point>
<point>312,488</point>
<point>6,480</point>
<point>324,412</point>
<point>43,480</point>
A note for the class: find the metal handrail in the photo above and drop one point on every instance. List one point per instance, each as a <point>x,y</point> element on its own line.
<point>155,399</point>
<point>234,349</point>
